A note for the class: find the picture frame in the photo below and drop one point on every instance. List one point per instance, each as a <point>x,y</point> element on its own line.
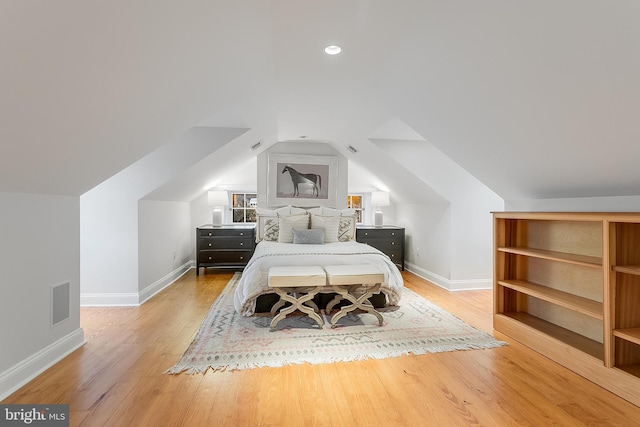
<point>302,180</point>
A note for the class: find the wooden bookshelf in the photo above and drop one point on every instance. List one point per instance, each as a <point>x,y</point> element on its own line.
<point>561,298</point>
<point>567,284</point>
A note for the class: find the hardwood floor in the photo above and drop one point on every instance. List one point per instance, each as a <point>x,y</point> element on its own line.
<point>116,378</point>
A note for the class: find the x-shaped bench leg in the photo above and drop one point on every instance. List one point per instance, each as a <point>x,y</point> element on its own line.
<point>361,302</point>
<point>297,303</point>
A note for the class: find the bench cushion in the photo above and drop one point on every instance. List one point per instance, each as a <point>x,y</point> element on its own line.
<point>296,276</point>
<point>353,274</point>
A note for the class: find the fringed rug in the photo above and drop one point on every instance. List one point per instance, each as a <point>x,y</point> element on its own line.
<point>228,341</point>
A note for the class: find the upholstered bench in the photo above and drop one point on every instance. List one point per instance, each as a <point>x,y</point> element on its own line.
<point>356,284</point>
<point>297,285</point>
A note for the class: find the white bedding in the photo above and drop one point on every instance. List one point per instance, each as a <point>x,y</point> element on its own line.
<point>269,254</point>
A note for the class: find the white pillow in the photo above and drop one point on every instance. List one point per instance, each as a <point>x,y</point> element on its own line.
<point>296,211</point>
<point>330,225</point>
<point>266,212</point>
<point>325,211</point>
<point>288,223</point>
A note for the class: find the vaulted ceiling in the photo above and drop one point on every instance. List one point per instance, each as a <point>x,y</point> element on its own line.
<point>535,99</point>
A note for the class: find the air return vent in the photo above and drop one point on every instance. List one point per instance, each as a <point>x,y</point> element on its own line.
<point>59,303</point>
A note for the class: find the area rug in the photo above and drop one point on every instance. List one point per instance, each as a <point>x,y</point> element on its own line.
<point>228,341</point>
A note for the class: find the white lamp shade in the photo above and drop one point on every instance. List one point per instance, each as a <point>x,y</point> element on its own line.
<point>218,198</point>
<point>380,198</point>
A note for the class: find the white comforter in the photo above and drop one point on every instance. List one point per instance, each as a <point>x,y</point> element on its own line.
<point>254,281</point>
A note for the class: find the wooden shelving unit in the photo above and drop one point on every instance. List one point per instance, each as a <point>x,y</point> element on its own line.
<point>568,286</point>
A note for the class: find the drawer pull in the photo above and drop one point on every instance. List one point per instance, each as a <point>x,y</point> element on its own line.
<point>241,257</point>
<point>393,243</point>
<point>241,233</point>
<point>393,234</point>
<point>209,258</point>
<point>210,234</point>
<point>209,244</point>
<point>241,244</point>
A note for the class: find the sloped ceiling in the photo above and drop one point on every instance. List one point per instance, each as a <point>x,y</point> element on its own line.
<point>535,99</point>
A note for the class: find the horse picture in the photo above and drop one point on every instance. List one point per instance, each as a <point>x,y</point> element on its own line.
<point>302,180</point>
<point>311,181</point>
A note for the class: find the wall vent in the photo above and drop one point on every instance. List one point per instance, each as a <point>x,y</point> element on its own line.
<point>59,303</point>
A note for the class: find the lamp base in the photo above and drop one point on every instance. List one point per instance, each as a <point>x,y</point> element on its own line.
<point>378,219</point>
<point>216,218</point>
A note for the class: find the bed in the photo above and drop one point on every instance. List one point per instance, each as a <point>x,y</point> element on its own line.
<point>284,240</point>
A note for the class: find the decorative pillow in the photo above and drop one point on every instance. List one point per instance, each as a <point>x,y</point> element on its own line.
<point>347,228</point>
<point>270,229</point>
<point>262,220</point>
<point>267,221</point>
<point>288,223</point>
<point>330,225</point>
<point>308,237</point>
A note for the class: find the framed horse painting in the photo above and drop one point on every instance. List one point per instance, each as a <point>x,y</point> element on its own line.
<point>302,180</point>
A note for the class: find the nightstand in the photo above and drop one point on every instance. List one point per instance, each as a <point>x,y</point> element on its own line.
<point>388,239</point>
<point>229,246</point>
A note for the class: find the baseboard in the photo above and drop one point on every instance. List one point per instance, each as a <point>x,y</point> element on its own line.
<point>109,299</point>
<point>448,284</point>
<point>17,376</point>
<point>164,282</point>
<point>131,298</point>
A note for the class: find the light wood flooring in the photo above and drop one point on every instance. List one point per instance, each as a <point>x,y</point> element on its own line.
<point>116,378</point>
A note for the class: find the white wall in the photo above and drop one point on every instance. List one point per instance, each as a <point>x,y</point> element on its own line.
<point>428,240</point>
<point>109,222</point>
<point>40,249</point>
<point>201,213</point>
<point>467,243</point>
<point>165,244</point>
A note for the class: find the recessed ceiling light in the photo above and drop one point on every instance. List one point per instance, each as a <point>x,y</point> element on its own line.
<point>333,50</point>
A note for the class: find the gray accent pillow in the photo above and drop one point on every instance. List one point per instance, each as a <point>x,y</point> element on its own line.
<point>314,236</point>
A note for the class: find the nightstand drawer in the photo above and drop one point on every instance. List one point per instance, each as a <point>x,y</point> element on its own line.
<point>225,232</point>
<point>226,242</point>
<point>223,257</point>
<point>366,234</point>
<point>387,247</point>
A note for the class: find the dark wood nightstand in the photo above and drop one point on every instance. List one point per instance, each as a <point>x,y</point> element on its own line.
<point>229,246</point>
<point>388,239</point>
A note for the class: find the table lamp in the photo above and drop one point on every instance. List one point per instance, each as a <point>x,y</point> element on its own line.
<point>218,199</point>
<point>379,199</point>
